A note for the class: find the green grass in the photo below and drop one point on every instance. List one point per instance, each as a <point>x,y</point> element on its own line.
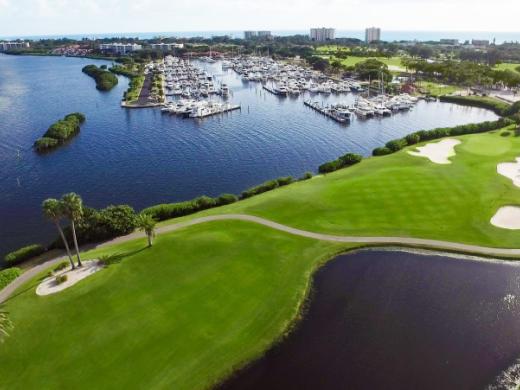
<point>351,61</point>
<point>507,66</point>
<point>436,89</point>
<point>180,315</point>
<point>403,195</point>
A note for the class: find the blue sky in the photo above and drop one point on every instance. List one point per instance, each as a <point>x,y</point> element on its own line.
<point>47,17</point>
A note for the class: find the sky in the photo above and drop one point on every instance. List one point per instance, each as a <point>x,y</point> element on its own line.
<point>54,17</point>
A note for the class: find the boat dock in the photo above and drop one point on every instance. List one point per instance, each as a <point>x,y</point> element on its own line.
<point>329,112</point>
<point>274,91</point>
<point>204,113</point>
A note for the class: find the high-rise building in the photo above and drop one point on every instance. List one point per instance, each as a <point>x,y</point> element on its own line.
<point>322,34</point>
<point>4,46</point>
<point>250,34</point>
<point>265,34</point>
<point>372,34</point>
<point>120,48</point>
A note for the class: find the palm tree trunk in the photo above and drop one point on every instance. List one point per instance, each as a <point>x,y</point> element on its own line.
<point>76,242</point>
<point>149,240</point>
<point>66,244</point>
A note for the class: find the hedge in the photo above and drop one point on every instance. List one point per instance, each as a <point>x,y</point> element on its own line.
<point>342,162</point>
<point>8,275</point>
<point>266,186</point>
<point>165,211</point>
<point>24,253</point>
<point>427,135</point>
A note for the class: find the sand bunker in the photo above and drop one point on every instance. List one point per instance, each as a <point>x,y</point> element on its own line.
<point>49,285</point>
<point>438,152</point>
<point>507,217</point>
<point>511,171</point>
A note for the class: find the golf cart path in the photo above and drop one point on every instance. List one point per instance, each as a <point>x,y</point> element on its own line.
<point>419,242</point>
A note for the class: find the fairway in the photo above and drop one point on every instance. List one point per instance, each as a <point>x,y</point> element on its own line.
<point>402,195</point>
<point>209,298</point>
<point>180,315</point>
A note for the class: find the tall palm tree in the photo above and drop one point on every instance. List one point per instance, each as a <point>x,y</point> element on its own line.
<point>53,210</point>
<point>73,209</point>
<point>146,223</point>
<point>5,324</point>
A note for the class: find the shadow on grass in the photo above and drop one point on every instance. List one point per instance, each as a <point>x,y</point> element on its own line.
<point>105,260</point>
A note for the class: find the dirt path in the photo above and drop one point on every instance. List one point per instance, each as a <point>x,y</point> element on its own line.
<point>402,241</point>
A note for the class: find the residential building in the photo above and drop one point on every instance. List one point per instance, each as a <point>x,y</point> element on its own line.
<point>120,48</point>
<point>450,42</point>
<point>372,34</point>
<point>167,46</point>
<point>250,34</point>
<point>322,34</point>
<point>480,42</point>
<point>14,45</point>
<point>265,34</point>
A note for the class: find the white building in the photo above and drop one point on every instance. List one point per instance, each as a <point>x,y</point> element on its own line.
<point>167,46</point>
<point>265,34</point>
<point>372,34</point>
<point>250,34</point>
<point>14,45</point>
<point>323,34</point>
<point>120,48</point>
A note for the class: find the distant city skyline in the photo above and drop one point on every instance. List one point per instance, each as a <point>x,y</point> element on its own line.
<point>66,17</point>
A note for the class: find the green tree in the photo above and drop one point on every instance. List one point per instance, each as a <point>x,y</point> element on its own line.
<point>73,209</point>
<point>147,224</point>
<point>5,324</point>
<point>53,211</point>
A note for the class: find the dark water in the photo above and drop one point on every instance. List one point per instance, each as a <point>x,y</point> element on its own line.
<point>397,320</point>
<point>141,157</point>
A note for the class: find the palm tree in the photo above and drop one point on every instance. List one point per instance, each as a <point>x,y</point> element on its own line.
<point>73,209</point>
<point>53,210</point>
<point>146,223</point>
<point>5,324</point>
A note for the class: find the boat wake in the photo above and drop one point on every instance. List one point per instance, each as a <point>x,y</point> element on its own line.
<point>509,379</point>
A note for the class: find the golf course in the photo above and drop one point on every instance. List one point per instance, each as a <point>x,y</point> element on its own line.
<point>208,298</point>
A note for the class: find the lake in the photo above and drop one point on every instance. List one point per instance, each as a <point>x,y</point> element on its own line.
<point>400,320</point>
<point>141,157</point>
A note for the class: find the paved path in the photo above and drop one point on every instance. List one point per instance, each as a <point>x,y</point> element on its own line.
<point>404,241</point>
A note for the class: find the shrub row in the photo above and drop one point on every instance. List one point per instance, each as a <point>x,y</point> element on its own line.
<point>8,275</point>
<point>266,186</point>
<point>24,253</point>
<point>60,132</point>
<point>426,135</point>
<point>342,162</point>
<point>165,211</point>
<point>105,80</point>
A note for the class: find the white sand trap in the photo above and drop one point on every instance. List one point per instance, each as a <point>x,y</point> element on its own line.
<point>438,152</point>
<point>511,171</point>
<point>49,286</point>
<point>507,217</point>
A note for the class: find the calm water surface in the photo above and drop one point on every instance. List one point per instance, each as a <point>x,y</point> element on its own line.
<point>399,320</point>
<point>141,157</point>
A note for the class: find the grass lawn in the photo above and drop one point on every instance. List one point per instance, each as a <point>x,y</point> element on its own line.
<point>505,66</point>
<point>436,89</point>
<point>180,315</point>
<point>403,195</point>
<point>391,62</point>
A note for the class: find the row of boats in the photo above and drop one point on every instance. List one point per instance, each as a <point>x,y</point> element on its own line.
<point>192,108</point>
<point>381,106</point>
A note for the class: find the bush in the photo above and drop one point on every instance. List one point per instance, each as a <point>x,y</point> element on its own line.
<point>329,166</point>
<point>8,275</point>
<point>505,134</point>
<point>350,159</point>
<point>264,187</point>
<point>24,253</point>
<point>381,151</point>
<point>226,199</point>
<point>342,162</point>
<point>61,266</point>
<point>306,176</point>
<point>412,139</point>
<point>45,143</point>
<point>284,181</point>
<point>60,131</point>
<point>204,203</point>
<point>60,279</point>
<point>396,144</point>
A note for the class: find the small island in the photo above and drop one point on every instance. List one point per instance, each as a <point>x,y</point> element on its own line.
<point>60,132</point>
<point>105,80</point>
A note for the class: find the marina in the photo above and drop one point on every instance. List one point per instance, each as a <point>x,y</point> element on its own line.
<point>178,159</point>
